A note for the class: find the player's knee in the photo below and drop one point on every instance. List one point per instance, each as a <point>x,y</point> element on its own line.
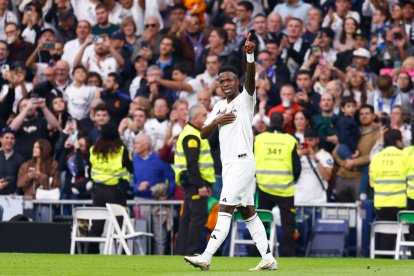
<point>247,211</point>
<point>226,209</point>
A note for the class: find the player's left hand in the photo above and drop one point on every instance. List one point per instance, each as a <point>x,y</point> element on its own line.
<point>248,45</point>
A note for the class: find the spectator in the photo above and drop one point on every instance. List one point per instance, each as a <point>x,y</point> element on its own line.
<point>243,19</point>
<point>153,179</point>
<point>79,95</point>
<point>5,16</point>
<point>72,47</point>
<point>334,19</point>
<point>151,35</point>
<point>313,24</point>
<point>116,100</point>
<point>183,84</point>
<point>74,160</point>
<point>103,25</point>
<point>209,77</point>
<point>178,119</point>
<point>10,162</point>
<point>85,10</point>
<point>400,119</point>
<point>317,166</point>
<point>157,126</point>
<point>176,16</point>
<point>141,66</point>
<point>324,122</point>
<point>294,46</point>
<point>274,24</point>
<point>153,90</point>
<point>101,57</point>
<point>301,121</point>
<point>192,41</point>
<point>293,8</point>
<point>167,57</point>
<point>129,128</point>
<point>29,126</point>
<point>41,171</point>
<point>19,50</point>
<point>305,95</point>
<point>347,130</point>
<point>288,107</point>
<point>348,179</point>
<point>386,96</point>
<point>31,22</point>
<point>346,40</point>
<point>101,116</point>
<point>357,86</point>
<point>129,29</point>
<point>217,45</point>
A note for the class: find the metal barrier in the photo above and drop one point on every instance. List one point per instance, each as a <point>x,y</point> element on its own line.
<point>351,211</point>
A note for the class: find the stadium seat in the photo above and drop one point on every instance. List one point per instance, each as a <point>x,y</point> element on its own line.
<point>266,217</point>
<point>122,233</point>
<point>89,214</point>
<point>405,218</point>
<point>328,238</point>
<point>382,227</point>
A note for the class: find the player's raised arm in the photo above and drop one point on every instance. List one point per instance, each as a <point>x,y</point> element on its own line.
<point>250,83</point>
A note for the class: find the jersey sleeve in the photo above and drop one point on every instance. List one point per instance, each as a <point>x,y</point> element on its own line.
<point>213,114</point>
<point>248,101</point>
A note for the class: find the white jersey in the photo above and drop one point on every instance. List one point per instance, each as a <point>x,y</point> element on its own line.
<point>79,100</point>
<point>236,139</point>
<point>308,188</point>
<point>156,130</point>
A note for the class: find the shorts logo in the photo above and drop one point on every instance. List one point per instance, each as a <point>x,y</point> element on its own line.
<point>213,237</point>
<point>242,155</point>
<point>224,200</point>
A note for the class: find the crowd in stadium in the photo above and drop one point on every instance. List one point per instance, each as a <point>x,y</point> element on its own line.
<point>340,71</point>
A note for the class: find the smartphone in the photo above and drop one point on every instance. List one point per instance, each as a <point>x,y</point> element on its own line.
<point>315,49</point>
<point>34,95</point>
<point>385,121</point>
<point>305,145</point>
<point>5,68</point>
<point>97,39</point>
<point>49,45</point>
<point>397,36</point>
<point>144,44</point>
<point>74,135</point>
<point>323,62</point>
<point>298,90</point>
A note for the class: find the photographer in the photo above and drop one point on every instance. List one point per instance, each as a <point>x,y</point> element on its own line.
<point>30,126</point>
<point>130,128</point>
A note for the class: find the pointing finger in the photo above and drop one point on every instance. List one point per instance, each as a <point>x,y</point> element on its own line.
<point>248,37</point>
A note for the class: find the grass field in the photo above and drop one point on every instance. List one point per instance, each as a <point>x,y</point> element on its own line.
<point>47,264</point>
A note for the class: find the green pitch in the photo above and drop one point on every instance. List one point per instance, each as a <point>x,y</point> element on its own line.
<point>46,264</point>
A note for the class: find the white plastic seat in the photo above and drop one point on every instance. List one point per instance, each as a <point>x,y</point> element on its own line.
<point>382,227</point>
<point>90,214</point>
<point>123,233</point>
<point>405,219</point>
<point>266,217</point>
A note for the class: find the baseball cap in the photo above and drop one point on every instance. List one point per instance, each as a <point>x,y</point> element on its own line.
<point>362,52</point>
<point>118,35</point>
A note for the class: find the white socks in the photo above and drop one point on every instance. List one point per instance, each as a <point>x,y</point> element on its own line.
<point>218,235</point>
<point>258,233</point>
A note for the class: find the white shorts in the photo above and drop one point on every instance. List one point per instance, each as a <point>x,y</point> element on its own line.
<point>238,183</point>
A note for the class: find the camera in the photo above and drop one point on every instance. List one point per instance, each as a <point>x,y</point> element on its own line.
<point>385,121</point>
<point>144,44</point>
<point>97,39</point>
<point>398,35</point>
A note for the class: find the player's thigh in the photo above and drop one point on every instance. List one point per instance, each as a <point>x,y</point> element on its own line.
<point>238,183</point>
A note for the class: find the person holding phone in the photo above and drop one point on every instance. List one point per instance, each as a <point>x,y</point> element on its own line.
<point>40,171</point>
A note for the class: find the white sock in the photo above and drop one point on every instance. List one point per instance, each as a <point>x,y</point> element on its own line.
<point>218,235</point>
<point>258,233</point>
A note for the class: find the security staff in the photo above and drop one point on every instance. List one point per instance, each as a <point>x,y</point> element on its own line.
<point>110,171</point>
<point>195,172</point>
<point>409,162</point>
<point>387,173</point>
<point>277,169</point>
